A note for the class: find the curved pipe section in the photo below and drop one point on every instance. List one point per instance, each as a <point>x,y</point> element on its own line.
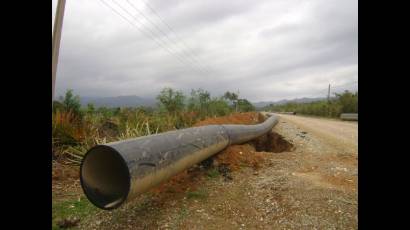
<point>114,173</point>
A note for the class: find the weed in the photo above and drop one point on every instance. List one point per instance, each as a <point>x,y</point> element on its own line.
<point>213,173</point>
<point>80,208</point>
<point>200,194</point>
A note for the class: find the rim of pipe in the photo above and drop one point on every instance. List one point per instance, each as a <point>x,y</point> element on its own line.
<point>96,168</point>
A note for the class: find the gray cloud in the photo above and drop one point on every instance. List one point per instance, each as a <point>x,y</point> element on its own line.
<point>268,50</point>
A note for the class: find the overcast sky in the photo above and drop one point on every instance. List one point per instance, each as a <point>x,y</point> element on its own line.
<point>267,49</point>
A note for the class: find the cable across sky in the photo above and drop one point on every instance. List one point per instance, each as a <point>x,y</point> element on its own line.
<point>152,35</point>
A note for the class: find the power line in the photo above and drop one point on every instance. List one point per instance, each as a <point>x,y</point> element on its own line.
<point>152,33</point>
<point>169,28</point>
<point>332,89</point>
<point>191,58</point>
<point>346,84</point>
<point>142,31</point>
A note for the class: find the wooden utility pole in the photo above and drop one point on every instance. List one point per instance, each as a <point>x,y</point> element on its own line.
<point>58,24</point>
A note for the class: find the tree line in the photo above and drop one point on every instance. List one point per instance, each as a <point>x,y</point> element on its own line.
<point>346,102</point>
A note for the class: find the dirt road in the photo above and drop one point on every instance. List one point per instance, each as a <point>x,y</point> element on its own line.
<point>312,186</point>
<point>343,132</point>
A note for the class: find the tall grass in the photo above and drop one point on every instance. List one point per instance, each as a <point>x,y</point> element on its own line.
<point>77,129</point>
<point>66,128</point>
<point>73,136</point>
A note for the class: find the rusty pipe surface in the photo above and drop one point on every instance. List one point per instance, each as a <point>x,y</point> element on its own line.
<point>116,172</point>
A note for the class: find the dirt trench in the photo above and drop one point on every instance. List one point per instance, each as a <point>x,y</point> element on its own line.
<point>271,142</point>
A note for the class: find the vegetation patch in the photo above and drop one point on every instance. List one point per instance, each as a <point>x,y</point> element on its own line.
<point>68,214</point>
<point>198,194</point>
<point>213,173</point>
<point>346,102</point>
<point>76,128</point>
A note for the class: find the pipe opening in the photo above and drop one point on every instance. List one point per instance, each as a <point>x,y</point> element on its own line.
<point>104,177</point>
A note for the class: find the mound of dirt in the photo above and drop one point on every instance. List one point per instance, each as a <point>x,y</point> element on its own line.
<point>236,156</point>
<point>229,158</point>
<point>271,142</point>
<point>248,118</point>
<point>251,154</point>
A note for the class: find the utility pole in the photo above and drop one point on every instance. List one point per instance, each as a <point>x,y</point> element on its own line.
<point>328,101</point>
<point>328,94</point>
<point>58,24</point>
<point>237,100</point>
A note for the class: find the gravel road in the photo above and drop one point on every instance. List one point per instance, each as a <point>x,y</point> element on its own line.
<point>343,132</point>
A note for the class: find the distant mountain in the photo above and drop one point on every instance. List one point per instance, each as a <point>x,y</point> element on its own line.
<point>120,101</point>
<point>284,101</point>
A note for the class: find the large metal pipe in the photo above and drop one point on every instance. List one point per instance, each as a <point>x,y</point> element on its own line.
<point>113,173</point>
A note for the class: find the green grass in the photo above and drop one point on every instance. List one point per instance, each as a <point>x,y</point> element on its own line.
<point>213,173</point>
<point>199,194</point>
<point>183,213</point>
<point>71,208</point>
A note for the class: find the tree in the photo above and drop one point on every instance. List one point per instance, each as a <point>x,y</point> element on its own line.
<point>171,100</point>
<point>71,103</point>
<point>348,102</point>
<point>233,97</point>
<point>90,108</point>
<point>199,102</point>
<point>245,106</point>
<point>219,107</point>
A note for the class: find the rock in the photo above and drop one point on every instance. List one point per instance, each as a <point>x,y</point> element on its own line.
<point>68,222</point>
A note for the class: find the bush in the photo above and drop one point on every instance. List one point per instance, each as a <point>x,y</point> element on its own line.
<point>245,106</point>
<point>170,100</point>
